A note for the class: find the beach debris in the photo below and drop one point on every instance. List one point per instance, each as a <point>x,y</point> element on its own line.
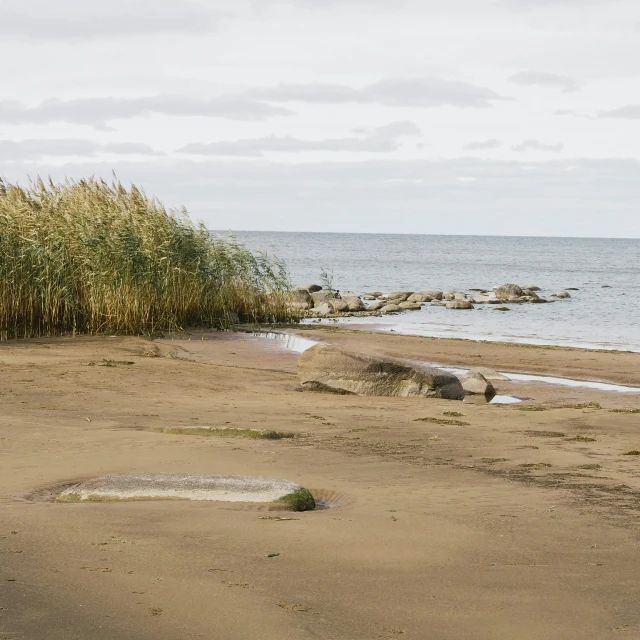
<point>326,368</point>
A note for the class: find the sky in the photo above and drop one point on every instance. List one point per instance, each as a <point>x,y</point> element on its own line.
<point>488,117</point>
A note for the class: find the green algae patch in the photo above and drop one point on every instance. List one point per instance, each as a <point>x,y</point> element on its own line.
<point>545,434</point>
<point>442,421</point>
<point>300,500</point>
<point>229,432</point>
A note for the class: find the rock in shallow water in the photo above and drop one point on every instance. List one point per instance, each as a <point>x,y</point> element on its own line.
<point>334,370</point>
<point>190,486</point>
<point>459,304</point>
<point>475,383</point>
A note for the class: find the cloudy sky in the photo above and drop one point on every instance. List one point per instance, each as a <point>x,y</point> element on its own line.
<point>500,117</point>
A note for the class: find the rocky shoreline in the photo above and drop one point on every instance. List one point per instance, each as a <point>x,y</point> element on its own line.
<point>315,301</point>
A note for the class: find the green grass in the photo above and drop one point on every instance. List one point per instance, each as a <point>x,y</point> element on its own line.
<point>454,414</point>
<point>264,434</point>
<point>625,410</point>
<point>580,439</point>
<point>455,423</point>
<point>532,408</point>
<point>633,452</point>
<point>300,500</point>
<point>591,467</point>
<point>95,257</point>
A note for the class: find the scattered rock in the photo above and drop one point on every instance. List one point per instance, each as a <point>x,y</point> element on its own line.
<point>376,306</point>
<point>390,308</point>
<point>368,296</point>
<point>354,303</point>
<point>396,296</point>
<point>301,299</point>
<point>531,287</point>
<point>509,291</point>
<point>571,289</point>
<point>310,288</point>
<point>459,304</point>
<point>476,384</point>
<point>501,309</point>
<point>341,305</point>
<point>375,294</point>
<point>490,374</point>
<point>409,306</point>
<point>419,297</point>
<point>561,294</point>
<point>324,296</point>
<point>325,309</point>
<point>327,368</point>
<point>434,294</point>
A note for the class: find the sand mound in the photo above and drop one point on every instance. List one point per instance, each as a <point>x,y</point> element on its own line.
<point>190,486</point>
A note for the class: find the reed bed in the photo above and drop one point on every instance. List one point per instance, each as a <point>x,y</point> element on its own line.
<point>94,257</point>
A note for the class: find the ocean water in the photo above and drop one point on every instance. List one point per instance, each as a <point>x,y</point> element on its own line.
<point>604,313</point>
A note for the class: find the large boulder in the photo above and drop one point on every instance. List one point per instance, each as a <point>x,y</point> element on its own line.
<point>354,303</point>
<point>325,309</point>
<point>327,368</point>
<point>376,306</point>
<point>561,294</point>
<point>475,383</point>
<point>459,304</point>
<point>324,296</point>
<point>301,299</point>
<point>342,306</point>
<point>509,291</point>
<point>419,297</point>
<point>311,288</point>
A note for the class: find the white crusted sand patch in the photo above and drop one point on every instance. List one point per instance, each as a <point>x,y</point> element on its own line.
<point>181,486</point>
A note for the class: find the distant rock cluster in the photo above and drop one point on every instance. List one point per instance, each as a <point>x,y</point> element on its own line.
<point>317,302</point>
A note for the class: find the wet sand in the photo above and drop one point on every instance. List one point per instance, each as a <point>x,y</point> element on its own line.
<point>499,523</point>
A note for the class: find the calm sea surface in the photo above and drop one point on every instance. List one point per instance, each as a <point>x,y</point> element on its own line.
<point>594,316</point>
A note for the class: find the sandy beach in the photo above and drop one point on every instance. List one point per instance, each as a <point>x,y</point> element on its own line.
<point>507,521</point>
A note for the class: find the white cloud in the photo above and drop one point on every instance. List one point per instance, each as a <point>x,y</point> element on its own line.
<point>382,139</point>
<point>82,20</point>
<point>486,144</point>
<point>30,150</point>
<point>100,112</point>
<point>394,92</point>
<point>536,145</point>
<point>543,79</point>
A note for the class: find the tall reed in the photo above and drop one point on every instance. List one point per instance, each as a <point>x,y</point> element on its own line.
<point>93,257</point>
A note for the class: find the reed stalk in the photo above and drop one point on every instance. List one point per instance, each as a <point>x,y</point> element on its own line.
<point>94,257</point>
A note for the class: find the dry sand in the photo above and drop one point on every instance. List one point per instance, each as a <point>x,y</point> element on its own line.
<point>499,524</point>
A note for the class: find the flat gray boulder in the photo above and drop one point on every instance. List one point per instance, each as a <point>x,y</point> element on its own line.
<point>331,369</point>
<point>187,486</point>
<point>459,304</point>
<point>475,383</point>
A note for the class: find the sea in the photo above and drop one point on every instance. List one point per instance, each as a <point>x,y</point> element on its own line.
<point>604,313</point>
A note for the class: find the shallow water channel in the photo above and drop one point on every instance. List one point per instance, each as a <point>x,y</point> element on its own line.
<point>298,344</point>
